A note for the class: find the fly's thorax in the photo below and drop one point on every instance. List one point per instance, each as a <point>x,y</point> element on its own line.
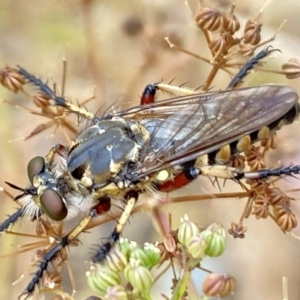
<point>103,155</point>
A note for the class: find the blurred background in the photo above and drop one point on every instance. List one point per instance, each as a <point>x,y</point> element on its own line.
<point>119,47</point>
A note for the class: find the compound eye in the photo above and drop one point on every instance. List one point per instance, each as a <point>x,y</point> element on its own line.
<point>53,205</point>
<point>35,166</point>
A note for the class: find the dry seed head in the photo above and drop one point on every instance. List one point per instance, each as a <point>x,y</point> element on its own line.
<point>51,279</point>
<point>292,68</point>
<point>255,159</point>
<point>285,218</point>
<point>238,161</point>
<point>277,197</point>
<point>258,186</point>
<point>210,19</point>
<point>237,230</point>
<point>252,32</point>
<point>218,285</point>
<point>246,49</point>
<point>232,24</point>
<point>41,100</point>
<point>169,243</point>
<point>221,43</point>
<point>261,206</point>
<point>11,79</point>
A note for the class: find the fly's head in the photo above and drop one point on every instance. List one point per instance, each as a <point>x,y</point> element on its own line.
<point>45,195</point>
<point>49,196</point>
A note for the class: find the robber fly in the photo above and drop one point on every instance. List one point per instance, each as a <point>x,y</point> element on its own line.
<point>153,147</point>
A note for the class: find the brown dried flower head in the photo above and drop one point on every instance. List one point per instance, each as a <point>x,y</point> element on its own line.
<point>221,43</point>
<point>210,19</point>
<point>261,206</point>
<point>237,230</point>
<point>285,218</point>
<point>292,68</point>
<point>277,197</point>
<point>219,285</point>
<point>232,24</point>
<point>252,32</point>
<point>255,159</point>
<point>258,186</point>
<point>11,79</point>
<point>41,100</point>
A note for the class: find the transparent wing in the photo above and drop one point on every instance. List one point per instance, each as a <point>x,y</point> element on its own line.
<point>185,128</point>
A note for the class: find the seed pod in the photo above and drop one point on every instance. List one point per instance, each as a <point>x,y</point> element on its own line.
<point>218,285</point>
<point>187,230</point>
<point>215,240</point>
<point>292,68</point>
<point>100,279</point>
<point>252,32</point>
<point>277,197</point>
<point>196,246</point>
<point>139,276</point>
<point>255,159</point>
<point>221,43</point>
<point>285,218</point>
<point>153,254</point>
<point>116,260</point>
<point>116,293</point>
<point>246,49</point>
<point>232,24</point>
<point>11,79</point>
<point>210,19</point>
<point>261,206</point>
<point>237,230</point>
<point>41,100</point>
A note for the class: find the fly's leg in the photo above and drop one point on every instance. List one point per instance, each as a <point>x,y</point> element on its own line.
<point>11,220</point>
<point>50,255</point>
<point>101,254</point>
<point>186,176</point>
<point>236,174</point>
<point>218,171</point>
<point>102,207</point>
<point>150,90</point>
<point>54,99</point>
<point>238,78</point>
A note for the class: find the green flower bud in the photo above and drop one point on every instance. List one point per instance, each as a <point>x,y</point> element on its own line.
<point>116,293</point>
<point>139,276</point>
<point>124,247</point>
<point>215,240</point>
<point>196,247</point>
<point>186,230</point>
<point>153,255</point>
<point>217,228</point>
<point>139,254</point>
<point>101,278</point>
<point>116,260</point>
